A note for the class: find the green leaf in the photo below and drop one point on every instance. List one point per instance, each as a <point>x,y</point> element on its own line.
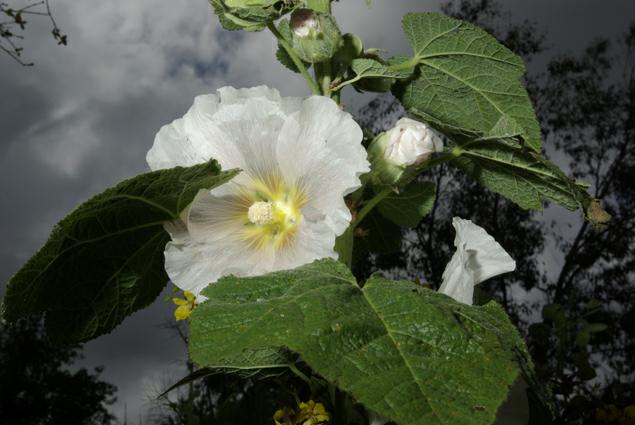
<point>378,235</point>
<point>105,259</point>
<point>413,355</point>
<point>250,15</point>
<point>374,74</point>
<point>524,177</point>
<point>260,363</point>
<point>369,68</point>
<point>408,207</point>
<point>466,83</point>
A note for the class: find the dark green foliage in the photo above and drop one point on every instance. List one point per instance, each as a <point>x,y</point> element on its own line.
<point>105,259</point>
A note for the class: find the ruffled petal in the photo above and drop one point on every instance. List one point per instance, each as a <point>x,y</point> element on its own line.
<point>478,257</point>
<point>324,155</point>
<point>192,266</point>
<point>172,148</point>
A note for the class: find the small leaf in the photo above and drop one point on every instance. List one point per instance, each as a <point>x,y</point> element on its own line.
<point>409,206</point>
<point>105,259</point>
<point>368,68</point>
<point>260,363</point>
<point>408,353</point>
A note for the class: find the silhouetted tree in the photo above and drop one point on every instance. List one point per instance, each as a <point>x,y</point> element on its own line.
<point>13,22</point>
<point>38,385</point>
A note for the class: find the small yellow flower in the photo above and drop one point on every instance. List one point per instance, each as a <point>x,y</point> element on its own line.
<point>312,413</point>
<point>309,413</point>
<point>185,306</point>
<point>284,416</point>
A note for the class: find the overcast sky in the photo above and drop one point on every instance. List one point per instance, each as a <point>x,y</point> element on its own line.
<point>83,118</point>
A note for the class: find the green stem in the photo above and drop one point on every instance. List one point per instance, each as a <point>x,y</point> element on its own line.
<point>299,373</point>
<point>344,246</point>
<point>372,203</point>
<point>368,206</point>
<point>405,65</point>
<point>323,76</point>
<point>296,60</point>
<point>346,83</point>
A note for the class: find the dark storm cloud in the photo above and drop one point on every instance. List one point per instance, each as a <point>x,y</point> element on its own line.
<point>85,115</point>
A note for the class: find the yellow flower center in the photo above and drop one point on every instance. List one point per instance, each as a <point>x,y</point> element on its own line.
<point>260,213</point>
<point>272,213</point>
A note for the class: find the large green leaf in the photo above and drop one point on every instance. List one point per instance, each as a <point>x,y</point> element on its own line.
<point>413,355</point>
<point>410,205</point>
<point>466,82</point>
<point>526,178</point>
<point>105,259</point>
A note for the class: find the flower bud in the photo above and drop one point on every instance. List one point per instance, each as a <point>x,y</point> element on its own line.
<point>405,146</point>
<point>411,142</point>
<point>303,22</point>
<point>316,36</point>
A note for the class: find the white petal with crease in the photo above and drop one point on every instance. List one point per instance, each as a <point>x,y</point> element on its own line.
<point>478,257</point>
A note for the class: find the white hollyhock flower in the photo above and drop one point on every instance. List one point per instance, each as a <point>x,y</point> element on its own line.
<point>478,257</point>
<point>299,157</point>
<point>411,142</point>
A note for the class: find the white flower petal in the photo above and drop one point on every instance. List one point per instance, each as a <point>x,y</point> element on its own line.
<point>193,266</point>
<point>313,241</point>
<point>212,218</point>
<point>478,257</point>
<point>323,153</point>
<point>172,148</point>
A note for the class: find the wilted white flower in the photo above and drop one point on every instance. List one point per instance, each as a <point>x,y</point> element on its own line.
<point>411,142</point>
<point>299,157</point>
<point>478,257</point>
<point>303,21</point>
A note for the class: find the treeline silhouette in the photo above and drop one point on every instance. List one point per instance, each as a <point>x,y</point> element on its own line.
<point>39,384</point>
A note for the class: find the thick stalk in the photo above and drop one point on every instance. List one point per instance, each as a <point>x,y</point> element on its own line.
<point>296,60</point>
<point>323,77</point>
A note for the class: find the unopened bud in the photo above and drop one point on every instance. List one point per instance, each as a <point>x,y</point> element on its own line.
<point>316,36</point>
<point>411,142</point>
<point>401,148</point>
<point>303,22</point>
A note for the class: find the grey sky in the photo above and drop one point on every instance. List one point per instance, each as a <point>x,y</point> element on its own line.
<point>85,115</point>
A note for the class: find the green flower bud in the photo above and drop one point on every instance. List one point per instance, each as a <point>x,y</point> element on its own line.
<point>352,48</point>
<point>377,85</point>
<point>316,36</point>
<point>251,15</point>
